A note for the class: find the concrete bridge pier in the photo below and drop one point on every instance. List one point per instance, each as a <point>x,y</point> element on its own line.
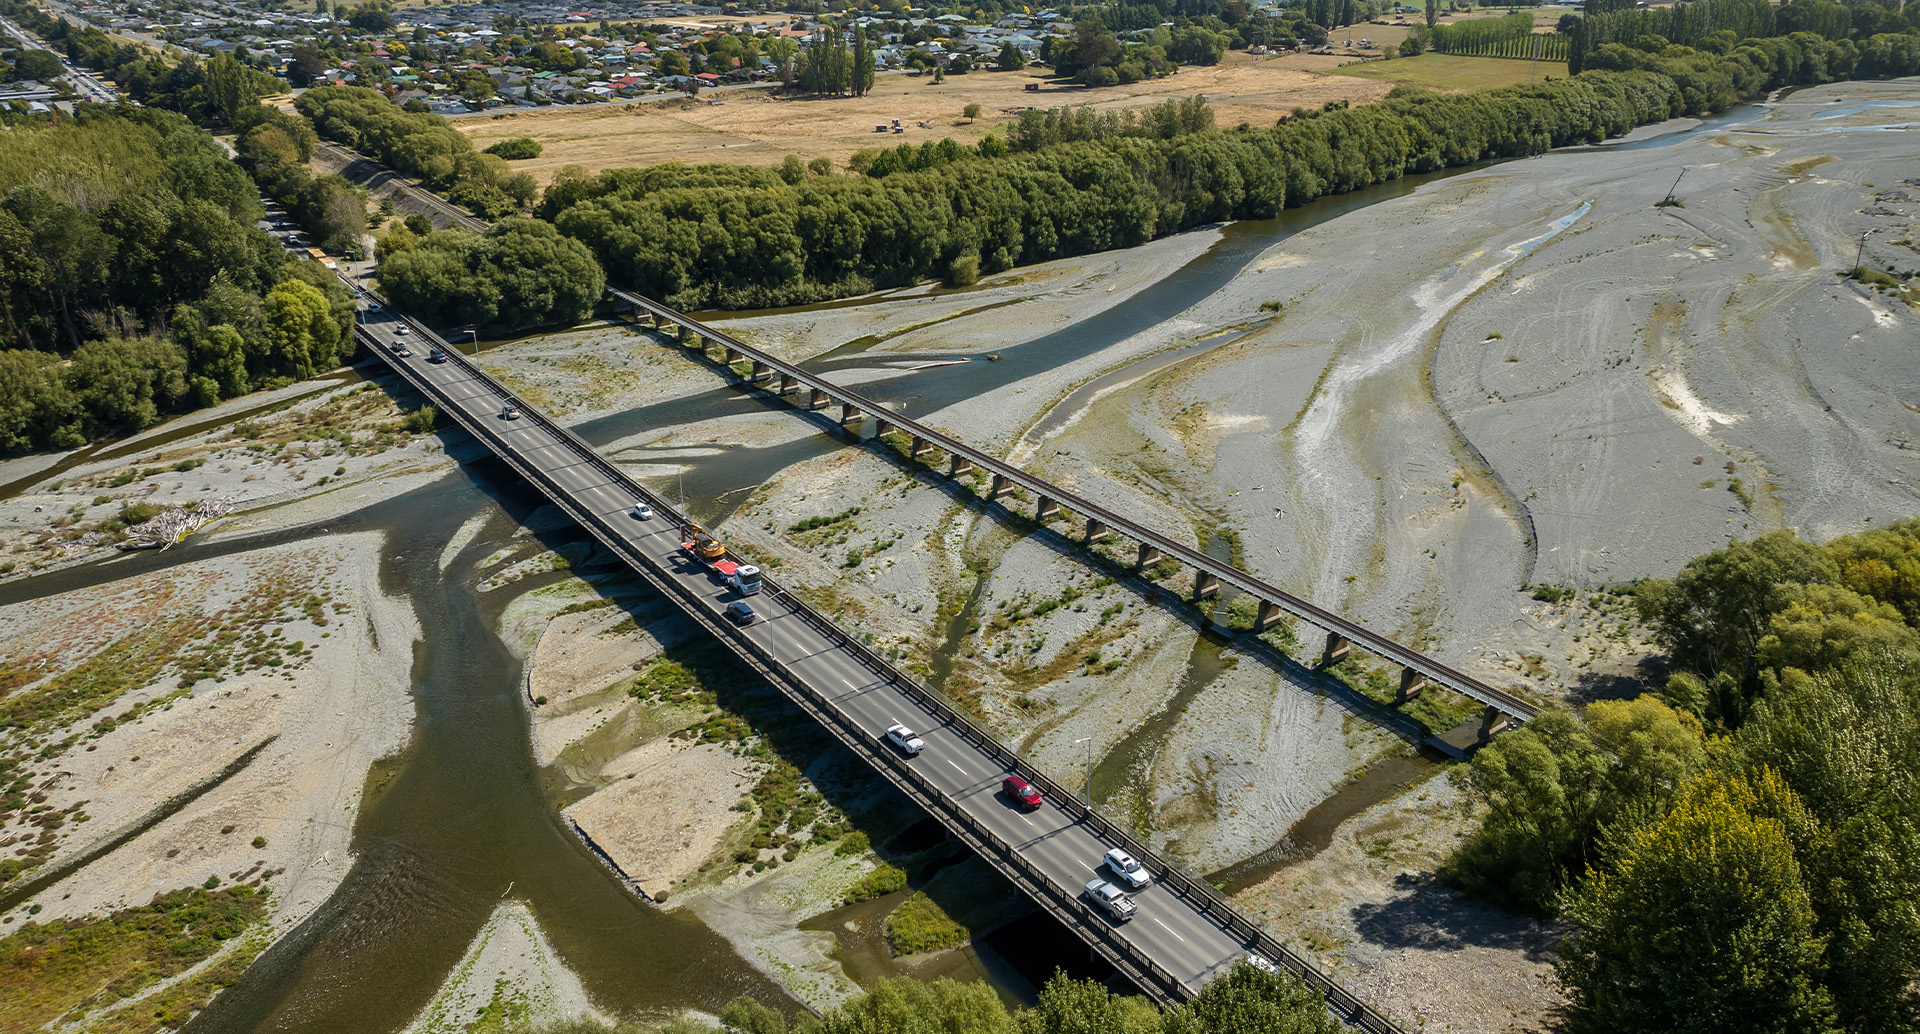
<point>1205,585</point>
<point>1097,531</point>
<point>1000,486</point>
<point>659,321</point>
<point>1411,683</point>
<point>816,399</point>
<point>732,356</point>
<point>850,413</point>
<point>1045,508</point>
<point>1268,617</point>
<point>1493,721</point>
<point>881,428</point>
<point>760,371</point>
<point>961,465</point>
<point>919,448</point>
<point>786,383</point>
<point>1148,554</point>
<point>1337,649</point>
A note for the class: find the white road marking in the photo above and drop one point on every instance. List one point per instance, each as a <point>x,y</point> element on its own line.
<point>956,767</point>
<point>1168,929</point>
<point>1024,817</point>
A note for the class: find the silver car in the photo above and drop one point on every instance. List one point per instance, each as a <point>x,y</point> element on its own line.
<point>1110,899</point>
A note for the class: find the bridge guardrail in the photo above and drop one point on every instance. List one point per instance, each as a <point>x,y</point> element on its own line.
<point>1064,904</point>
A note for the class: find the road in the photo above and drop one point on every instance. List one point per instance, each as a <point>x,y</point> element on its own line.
<point>1183,934</point>
<point>84,83</point>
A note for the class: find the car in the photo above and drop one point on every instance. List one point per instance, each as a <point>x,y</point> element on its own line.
<point>512,412</point>
<point>642,511</point>
<point>1110,899</point>
<point>1260,962</point>
<point>740,613</point>
<point>1127,868</point>
<point>373,306</point>
<point>437,355</point>
<point>400,330</point>
<point>1021,792</point>
<point>402,351</point>
<point>903,739</point>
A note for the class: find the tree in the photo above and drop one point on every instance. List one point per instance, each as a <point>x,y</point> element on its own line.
<point>1247,1000</point>
<point>1433,13</point>
<point>971,112</point>
<point>1704,924</point>
<point>1010,59</point>
<point>36,64</point>
<point>862,76</point>
<point>908,1006</point>
<point>306,66</point>
<point>124,383</point>
<point>1068,1006</point>
<point>300,331</point>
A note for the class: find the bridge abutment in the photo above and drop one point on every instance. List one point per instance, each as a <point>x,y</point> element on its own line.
<point>1337,649</point>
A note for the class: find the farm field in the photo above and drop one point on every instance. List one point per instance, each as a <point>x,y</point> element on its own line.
<point>752,128</point>
<point>1449,72</point>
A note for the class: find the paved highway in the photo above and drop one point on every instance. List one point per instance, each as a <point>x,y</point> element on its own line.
<point>1181,935</point>
<point>84,84</point>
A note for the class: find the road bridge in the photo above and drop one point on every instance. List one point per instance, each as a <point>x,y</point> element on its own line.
<point>1184,933</point>
<point>813,392</point>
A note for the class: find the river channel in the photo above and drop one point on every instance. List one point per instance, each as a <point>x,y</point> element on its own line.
<point>461,819</point>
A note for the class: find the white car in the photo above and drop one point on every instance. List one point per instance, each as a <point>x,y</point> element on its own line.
<point>400,330</point>
<point>1259,962</point>
<point>1127,868</point>
<point>903,739</point>
<point>512,412</point>
<point>1110,899</point>
<point>402,351</point>
<point>642,511</point>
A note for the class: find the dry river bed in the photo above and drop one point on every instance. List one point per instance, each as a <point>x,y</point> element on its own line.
<point>1524,375</point>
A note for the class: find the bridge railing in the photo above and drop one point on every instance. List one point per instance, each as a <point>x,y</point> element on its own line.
<point>1063,903</point>
<point>1358,635</point>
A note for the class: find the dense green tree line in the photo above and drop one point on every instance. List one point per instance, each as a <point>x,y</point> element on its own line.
<point>420,145</point>
<point>1742,850</point>
<point>704,235</point>
<point>1721,25</point>
<point>1039,129</point>
<point>132,279</point>
<point>699,236</point>
<point>275,148</point>
<point>521,273</point>
<point>1243,1000</point>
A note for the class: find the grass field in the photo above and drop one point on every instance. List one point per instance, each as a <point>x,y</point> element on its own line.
<point>753,128</point>
<point>1447,72</point>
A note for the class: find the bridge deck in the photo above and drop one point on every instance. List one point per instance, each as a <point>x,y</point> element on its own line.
<point>1184,932</point>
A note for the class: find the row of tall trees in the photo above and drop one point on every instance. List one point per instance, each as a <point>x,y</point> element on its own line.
<point>826,66</point>
<point>133,280</point>
<point>1721,25</point>
<point>705,235</point>
<point>1742,850</point>
<point>417,144</point>
<point>1511,36</point>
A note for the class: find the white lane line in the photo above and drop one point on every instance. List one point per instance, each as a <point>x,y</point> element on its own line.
<point>1168,929</point>
<point>956,767</point>
<point>1024,817</point>
<point>847,683</point>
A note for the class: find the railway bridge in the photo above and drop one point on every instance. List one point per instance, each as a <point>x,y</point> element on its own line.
<point>810,392</point>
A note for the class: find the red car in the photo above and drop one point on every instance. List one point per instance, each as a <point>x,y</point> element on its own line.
<point>1021,791</point>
